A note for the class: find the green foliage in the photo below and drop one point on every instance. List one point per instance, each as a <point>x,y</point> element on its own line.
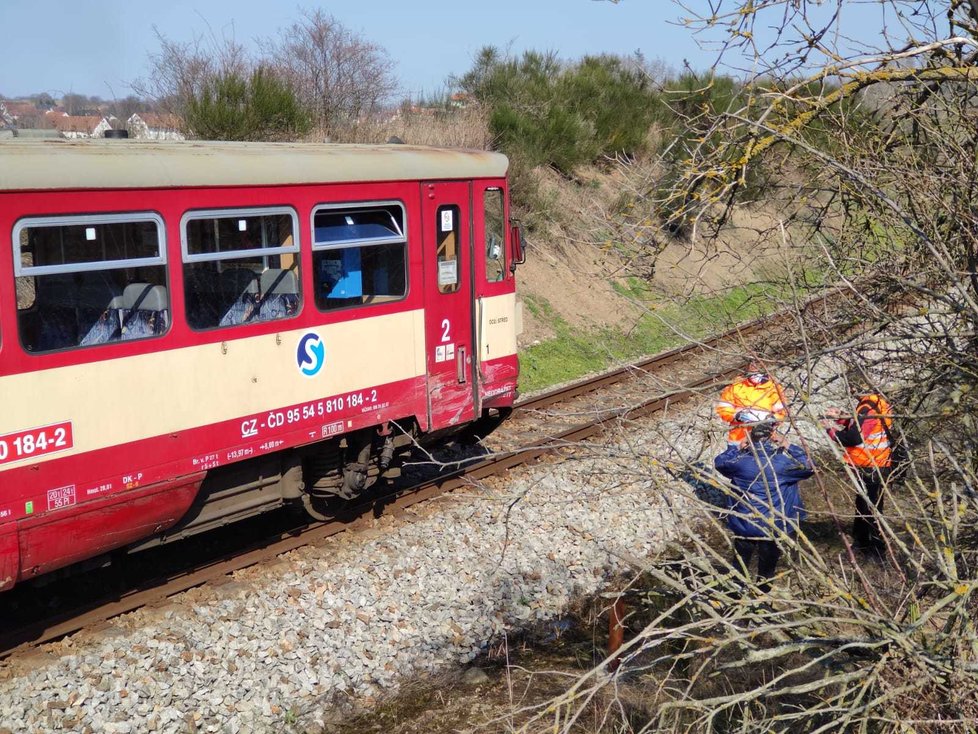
<point>230,106</point>
<point>705,119</point>
<point>544,112</point>
<point>695,105</point>
<point>692,95</point>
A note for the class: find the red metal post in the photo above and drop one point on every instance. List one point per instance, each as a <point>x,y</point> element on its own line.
<point>616,630</point>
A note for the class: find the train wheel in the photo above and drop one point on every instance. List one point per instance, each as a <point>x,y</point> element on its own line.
<point>338,475</point>
<point>323,509</point>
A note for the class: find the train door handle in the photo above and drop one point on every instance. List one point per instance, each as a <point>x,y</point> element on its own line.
<point>460,363</point>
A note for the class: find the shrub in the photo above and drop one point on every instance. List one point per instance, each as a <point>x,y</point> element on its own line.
<point>545,112</point>
<point>231,106</point>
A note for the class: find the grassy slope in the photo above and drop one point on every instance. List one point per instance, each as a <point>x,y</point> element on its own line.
<point>575,353</point>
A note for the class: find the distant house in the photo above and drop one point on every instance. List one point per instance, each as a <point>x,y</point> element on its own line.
<point>17,110</point>
<point>153,126</point>
<point>20,114</point>
<point>80,126</point>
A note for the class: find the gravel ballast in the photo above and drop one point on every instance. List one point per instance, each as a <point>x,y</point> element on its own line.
<point>349,619</point>
<point>341,624</point>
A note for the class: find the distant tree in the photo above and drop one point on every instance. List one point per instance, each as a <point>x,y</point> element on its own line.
<point>615,98</point>
<point>43,100</point>
<point>34,119</point>
<point>338,76</point>
<point>125,108</point>
<point>220,93</point>
<point>74,103</point>
<point>179,72</point>
<point>233,106</point>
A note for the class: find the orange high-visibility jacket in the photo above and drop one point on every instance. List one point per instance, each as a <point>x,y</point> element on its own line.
<point>871,447</point>
<point>764,398</point>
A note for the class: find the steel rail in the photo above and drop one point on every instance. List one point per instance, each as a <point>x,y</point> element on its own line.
<point>663,359</point>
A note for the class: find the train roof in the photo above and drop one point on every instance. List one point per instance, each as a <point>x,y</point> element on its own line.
<point>127,164</point>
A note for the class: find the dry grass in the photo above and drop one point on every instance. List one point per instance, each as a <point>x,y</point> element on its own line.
<point>460,128</point>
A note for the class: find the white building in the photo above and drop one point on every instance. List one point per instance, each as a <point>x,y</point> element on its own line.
<point>153,126</point>
<point>80,126</point>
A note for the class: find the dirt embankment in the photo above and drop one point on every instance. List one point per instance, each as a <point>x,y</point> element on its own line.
<point>600,256</point>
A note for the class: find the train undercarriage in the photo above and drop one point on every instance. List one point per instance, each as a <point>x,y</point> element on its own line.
<point>326,479</point>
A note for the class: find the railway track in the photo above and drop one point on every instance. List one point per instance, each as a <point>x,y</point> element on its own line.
<point>533,432</point>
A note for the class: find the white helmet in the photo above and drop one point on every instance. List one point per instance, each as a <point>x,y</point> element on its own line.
<point>752,415</point>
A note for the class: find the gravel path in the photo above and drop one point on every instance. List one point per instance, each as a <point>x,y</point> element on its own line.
<point>280,648</point>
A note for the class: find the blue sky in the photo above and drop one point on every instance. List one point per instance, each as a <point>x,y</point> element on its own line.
<point>98,47</point>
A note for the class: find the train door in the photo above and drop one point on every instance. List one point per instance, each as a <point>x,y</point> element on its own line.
<point>446,219</point>
<point>495,296</point>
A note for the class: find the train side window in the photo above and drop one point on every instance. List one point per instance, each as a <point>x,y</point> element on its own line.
<point>359,255</point>
<point>240,266</point>
<point>88,280</point>
<point>447,249</point>
<point>495,235</point>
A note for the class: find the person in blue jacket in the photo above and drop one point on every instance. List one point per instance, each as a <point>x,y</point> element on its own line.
<point>765,503</point>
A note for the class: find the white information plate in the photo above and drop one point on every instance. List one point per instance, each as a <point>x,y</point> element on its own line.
<point>447,272</point>
<point>447,220</point>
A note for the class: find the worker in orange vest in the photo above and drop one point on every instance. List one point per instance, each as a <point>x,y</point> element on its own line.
<point>867,446</point>
<point>753,397</point>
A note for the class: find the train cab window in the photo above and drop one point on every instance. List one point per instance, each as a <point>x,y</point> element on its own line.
<point>359,255</point>
<point>240,266</point>
<point>495,235</point>
<point>87,280</point>
<point>447,249</point>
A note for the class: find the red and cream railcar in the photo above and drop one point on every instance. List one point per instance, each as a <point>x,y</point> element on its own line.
<point>193,333</point>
